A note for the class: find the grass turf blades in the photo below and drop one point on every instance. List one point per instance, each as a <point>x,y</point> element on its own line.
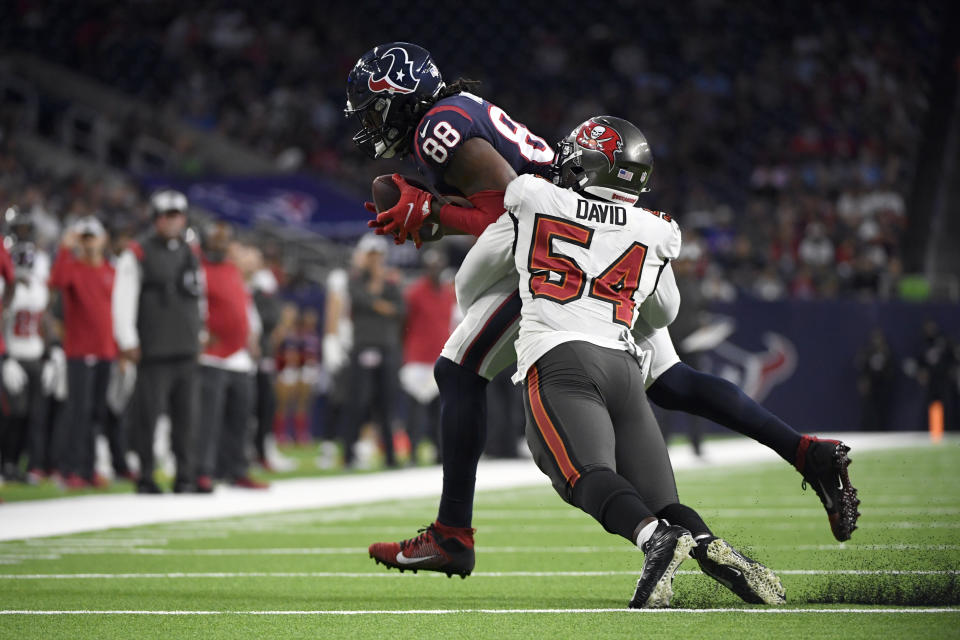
<point>533,553</point>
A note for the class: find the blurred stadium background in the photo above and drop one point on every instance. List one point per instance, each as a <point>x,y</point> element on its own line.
<point>808,150</point>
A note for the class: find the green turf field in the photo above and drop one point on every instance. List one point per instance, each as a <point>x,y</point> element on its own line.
<point>544,570</point>
<point>303,457</point>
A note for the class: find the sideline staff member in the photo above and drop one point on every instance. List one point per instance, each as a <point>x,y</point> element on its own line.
<point>157,323</point>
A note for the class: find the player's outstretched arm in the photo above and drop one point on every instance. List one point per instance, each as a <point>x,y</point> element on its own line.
<point>479,172</point>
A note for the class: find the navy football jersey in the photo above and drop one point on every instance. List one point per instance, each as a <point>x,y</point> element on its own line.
<point>454,120</point>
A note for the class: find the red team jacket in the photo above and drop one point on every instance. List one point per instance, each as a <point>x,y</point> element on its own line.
<point>87,318</point>
<point>429,313</point>
<point>227,302</point>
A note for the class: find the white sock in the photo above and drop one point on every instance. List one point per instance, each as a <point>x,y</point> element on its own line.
<point>645,533</point>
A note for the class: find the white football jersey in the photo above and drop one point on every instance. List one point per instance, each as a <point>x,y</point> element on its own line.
<point>585,266</point>
<point>24,328</point>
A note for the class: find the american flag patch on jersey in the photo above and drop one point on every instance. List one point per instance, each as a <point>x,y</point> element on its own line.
<point>623,174</point>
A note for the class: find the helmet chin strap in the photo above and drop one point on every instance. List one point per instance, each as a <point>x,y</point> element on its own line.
<point>389,151</point>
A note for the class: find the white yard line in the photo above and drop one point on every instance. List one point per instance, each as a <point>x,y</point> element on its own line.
<point>401,612</point>
<point>281,528</point>
<point>482,574</point>
<point>866,547</point>
<point>53,553</point>
<point>40,518</point>
<point>780,512</point>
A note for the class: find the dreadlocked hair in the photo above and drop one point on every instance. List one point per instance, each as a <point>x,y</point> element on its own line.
<point>458,85</point>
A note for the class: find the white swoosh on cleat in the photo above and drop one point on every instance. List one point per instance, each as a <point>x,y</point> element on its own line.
<point>827,502</point>
<point>404,560</point>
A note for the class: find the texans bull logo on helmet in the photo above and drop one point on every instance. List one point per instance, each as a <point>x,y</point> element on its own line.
<point>600,137</point>
<point>398,78</point>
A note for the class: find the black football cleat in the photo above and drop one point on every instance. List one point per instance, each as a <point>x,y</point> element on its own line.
<point>664,551</point>
<point>747,578</point>
<point>148,486</point>
<point>823,464</point>
<point>440,548</point>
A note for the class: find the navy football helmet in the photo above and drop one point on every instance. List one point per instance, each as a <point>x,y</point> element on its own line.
<point>606,157</point>
<point>389,90</point>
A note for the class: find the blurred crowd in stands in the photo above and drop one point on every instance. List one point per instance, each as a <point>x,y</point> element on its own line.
<point>104,334</point>
<point>255,368</point>
<point>785,154</point>
<point>784,144</point>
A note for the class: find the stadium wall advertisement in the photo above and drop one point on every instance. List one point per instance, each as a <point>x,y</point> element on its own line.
<point>798,358</point>
<point>292,200</point>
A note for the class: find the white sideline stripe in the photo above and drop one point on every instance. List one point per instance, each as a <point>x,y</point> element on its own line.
<point>485,574</point>
<point>401,612</point>
<point>40,518</point>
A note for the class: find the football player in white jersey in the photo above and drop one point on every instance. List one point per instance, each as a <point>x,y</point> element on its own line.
<point>463,144</point>
<point>23,369</point>
<point>590,263</point>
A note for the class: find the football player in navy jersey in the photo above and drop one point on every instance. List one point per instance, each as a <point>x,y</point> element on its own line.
<point>466,145</point>
<point>462,144</point>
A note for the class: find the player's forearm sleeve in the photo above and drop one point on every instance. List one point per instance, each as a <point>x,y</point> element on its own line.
<point>661,307</point>
<point>490,259</point>
<point>487,207</point>
<point>125,299</point>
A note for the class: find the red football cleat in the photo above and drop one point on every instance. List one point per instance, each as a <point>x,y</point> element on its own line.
<point>246,482</point>
<point>73,481</point>
<point>823,464</point>
<point>203,484</point>
<point>440,548</point>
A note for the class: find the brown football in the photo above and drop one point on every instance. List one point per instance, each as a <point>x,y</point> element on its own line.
<point>386,193</point>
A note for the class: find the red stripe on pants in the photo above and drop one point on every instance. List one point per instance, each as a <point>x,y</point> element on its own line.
<point>548,430</point>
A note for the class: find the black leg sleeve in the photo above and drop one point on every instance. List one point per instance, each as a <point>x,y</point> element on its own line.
<point>611,500</point>
<point>681,514</point>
